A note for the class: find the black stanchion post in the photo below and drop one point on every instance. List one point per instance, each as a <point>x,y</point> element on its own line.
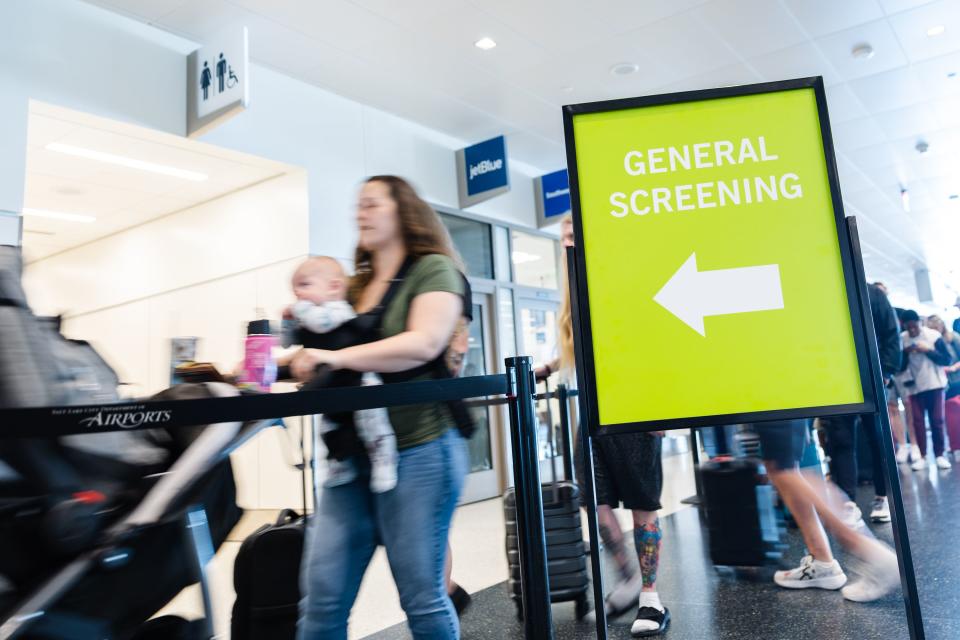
<point>563,397</point>
<point>587,483</point>
<point>881,422</point>
<point>531,535</point>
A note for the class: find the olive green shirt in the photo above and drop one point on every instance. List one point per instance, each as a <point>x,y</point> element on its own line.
<point>419,424</point>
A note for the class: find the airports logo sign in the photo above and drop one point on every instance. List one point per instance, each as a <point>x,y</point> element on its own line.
<point>715,278</point>
<point>482,171</point>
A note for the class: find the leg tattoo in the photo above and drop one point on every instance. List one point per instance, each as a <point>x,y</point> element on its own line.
<point>647,538</point>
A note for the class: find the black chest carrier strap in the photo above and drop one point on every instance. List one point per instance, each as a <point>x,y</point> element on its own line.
<point>436,368</point>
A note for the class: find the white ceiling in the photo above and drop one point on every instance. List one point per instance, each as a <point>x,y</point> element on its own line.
<point>416,58</point>
<point>118,197</point>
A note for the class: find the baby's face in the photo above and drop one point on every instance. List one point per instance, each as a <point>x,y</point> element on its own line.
<point>319,285</point>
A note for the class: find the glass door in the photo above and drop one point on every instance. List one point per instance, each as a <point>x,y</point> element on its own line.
<point>538,334</point>
<point>482,480</point>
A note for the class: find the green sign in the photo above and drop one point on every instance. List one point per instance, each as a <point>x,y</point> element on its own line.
<point>711,257</point>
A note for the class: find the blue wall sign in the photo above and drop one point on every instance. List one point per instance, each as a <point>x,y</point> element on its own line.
<point>482,171</point>
<point>553,197</point>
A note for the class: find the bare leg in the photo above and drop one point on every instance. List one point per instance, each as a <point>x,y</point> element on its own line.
<point>796,494</point>
<point>448,569</point>
<point>648,538</point>
<point>896,424</point>
<point>612,536</point>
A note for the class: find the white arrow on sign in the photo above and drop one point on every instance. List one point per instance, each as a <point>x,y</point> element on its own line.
<point>692,295</point>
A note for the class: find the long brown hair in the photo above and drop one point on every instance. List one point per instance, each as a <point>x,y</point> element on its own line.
<point>423,232</point>
<point>565,319</point>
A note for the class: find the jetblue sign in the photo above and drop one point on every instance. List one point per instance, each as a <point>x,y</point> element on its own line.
<point>482,171</point>
<point>553,197</point>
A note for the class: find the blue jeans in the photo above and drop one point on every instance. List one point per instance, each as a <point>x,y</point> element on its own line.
<point>411,521</point>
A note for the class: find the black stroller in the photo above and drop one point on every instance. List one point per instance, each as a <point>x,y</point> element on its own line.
<point>92,544</point>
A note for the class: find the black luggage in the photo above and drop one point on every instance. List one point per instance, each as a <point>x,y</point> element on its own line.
<point>266,577</point>
<point>566,553</point>
<point>739,509</point>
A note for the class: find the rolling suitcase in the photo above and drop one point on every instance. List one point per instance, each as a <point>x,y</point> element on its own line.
<point>741,520</point>
<point>566,552</point>
<point>952,414</point>
<point>266,577</point>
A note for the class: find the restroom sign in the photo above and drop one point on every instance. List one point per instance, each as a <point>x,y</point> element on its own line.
<point>714,281</point>
<point>218,83</point>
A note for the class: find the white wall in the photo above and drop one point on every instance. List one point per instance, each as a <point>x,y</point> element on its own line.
<point>78,56</point>
<point>70,54</point>
<point>200,272</point>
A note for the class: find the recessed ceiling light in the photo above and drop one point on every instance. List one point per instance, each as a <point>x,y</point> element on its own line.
<point>567,89</point>
<point>58,215</point>
<point>624,68</point>
<point>936,30</point>
<point>862,51</point>
<point>123,161</point>
<point>485,43</point>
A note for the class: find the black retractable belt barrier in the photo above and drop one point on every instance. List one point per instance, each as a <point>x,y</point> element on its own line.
<point>566,437</point>
<point>531,534</point>
<point>53,422</point>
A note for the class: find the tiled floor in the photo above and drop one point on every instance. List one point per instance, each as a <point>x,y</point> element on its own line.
<point>708,605</point>
<point>479,560</point>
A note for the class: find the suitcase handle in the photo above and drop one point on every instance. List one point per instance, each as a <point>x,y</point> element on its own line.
<point>287,516</point>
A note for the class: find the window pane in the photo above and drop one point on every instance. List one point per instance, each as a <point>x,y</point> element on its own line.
<point>534,261</point>
<point>473,240</point>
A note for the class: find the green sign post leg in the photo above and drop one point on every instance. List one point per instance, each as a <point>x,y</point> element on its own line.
<point>881,422</point>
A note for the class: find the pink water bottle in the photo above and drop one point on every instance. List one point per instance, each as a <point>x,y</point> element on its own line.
<point>259,367</point>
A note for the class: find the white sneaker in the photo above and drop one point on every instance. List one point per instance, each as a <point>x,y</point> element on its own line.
<point>915,454</point>
<point>919,465</point>
<point>852,516</point>
<point>881,510</point>
<point>624,596</point>
<point>879,575</point>
<point>903,454</point>
<point>943,463</point>
<point>812,574</point>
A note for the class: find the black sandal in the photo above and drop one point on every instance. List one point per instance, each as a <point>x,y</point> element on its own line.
<point>662,618</point>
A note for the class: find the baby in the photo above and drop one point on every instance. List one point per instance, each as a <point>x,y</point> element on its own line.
<point>321,318</point>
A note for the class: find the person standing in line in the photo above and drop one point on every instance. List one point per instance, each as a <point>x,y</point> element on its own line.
<point>627,470</point>
<point>926,356</point>
<point>400,238</point>
<point>842,431</point>
<point>951,341</point>
<point>897,424</point>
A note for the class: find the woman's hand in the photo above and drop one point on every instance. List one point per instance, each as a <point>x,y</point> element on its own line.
<point>305,362</point>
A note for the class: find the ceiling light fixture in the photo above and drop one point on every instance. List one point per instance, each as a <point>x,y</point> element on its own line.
<point>936,30</point>
<point>58,215</point>
<point>624,68</point>
<point>862,51</point>
<point>485,43</point>
<point>123,161</point>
